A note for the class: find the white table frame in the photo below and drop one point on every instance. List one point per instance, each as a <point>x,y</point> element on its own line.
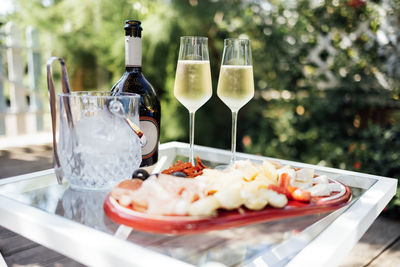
<point>85,244</point>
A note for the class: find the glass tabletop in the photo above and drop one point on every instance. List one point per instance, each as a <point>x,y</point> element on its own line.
<point>232,247</point>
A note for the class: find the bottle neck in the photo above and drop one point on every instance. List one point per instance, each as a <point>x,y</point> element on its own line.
<point>135,69</point>
<point>133,52</point>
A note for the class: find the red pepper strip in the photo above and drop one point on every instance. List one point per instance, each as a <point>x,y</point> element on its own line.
<point>187,168</point>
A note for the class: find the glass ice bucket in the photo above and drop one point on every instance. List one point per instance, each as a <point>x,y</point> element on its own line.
<point>97,148</point>
<point>99,141</point>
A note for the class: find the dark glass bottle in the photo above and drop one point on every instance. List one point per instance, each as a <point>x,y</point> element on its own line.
<point>133,81</point>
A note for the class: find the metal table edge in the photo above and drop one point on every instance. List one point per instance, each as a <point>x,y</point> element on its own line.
<point>26,176</point>
<point>351,233</point>
<point>85,246</point>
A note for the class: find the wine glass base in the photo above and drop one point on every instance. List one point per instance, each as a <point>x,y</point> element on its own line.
<point>222,167</point>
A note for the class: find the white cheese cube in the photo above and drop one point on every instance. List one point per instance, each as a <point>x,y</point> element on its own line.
<point>319,190</point>
<point>322,179</point>
<point>301,185</point>
<point>334,187</point>
<point>305,174</point>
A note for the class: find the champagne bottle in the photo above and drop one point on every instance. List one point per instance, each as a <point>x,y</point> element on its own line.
<point>133,81</point>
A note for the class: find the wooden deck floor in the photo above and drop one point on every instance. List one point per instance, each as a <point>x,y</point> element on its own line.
<point>380,246</point>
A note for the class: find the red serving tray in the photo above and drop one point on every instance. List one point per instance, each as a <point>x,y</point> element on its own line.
<point>178,225</point>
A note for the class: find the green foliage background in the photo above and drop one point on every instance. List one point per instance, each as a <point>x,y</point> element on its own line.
<point>297,113</point>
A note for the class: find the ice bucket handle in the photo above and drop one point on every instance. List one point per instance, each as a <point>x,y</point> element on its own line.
<point>52,99</point>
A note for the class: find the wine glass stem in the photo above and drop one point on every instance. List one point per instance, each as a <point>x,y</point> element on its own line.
<point>191,137</point>
<point>234,125</point>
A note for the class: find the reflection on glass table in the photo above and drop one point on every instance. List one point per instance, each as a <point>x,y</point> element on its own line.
<point>230,247</point>
<point>277,242</point>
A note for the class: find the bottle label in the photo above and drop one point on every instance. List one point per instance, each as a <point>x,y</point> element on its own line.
<point>150,129</point>
<point>133,51</point>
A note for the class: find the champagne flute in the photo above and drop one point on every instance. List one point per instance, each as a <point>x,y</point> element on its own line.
<point>193,79</point>
<point>236,84</point>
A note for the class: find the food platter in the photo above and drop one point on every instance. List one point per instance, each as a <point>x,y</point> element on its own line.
<point>178,225</point>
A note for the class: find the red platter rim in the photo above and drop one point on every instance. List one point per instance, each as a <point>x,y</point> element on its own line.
<point>178,225</point>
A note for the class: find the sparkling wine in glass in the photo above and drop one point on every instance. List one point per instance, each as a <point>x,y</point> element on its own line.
<point>236,83</point>
<point>193,79</point>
